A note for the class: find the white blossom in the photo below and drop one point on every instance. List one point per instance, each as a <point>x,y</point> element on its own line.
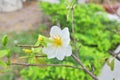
<point>59,46</point>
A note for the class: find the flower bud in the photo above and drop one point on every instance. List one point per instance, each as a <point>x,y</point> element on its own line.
<point>40,38</point>
<point>28,51</point>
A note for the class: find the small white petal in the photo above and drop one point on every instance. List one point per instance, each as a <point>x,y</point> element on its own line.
<point>65,33</point>
<point>60,53</point>
<point>65,36</point>
<point>55,30</point>
<point>52,54</point>
<point>50,51</point>
<point>68,51</point>
<point>47,49</point>
<point>60,57</point>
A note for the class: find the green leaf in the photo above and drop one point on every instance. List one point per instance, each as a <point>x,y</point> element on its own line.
<point>107,61</point>
<point>3,64</point>
<point>3,53</point>
<point>112,64</point>
<point>4,40</point>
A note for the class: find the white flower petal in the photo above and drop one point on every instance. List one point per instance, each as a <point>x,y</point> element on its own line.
<point>68,51</point>
<point>55,30</point>
<point>65,33</point>
<point>52,54</point>
<point>65,36</point>
<point>60,53</point>
<point>50,51</point>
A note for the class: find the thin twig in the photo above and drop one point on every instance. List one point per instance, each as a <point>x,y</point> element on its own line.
<point>40,56</point>
<point>45,65</point>
<point>37,56</point>
<point>73,31</point>
<point>29,46</point>
<point>84,68</point>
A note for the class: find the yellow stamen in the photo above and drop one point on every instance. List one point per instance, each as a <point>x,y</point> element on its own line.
<point>57,41</point>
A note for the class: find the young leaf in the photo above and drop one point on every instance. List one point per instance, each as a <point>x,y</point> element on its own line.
<point>4,40</point>
<point>3,64</point>
<point>112,64</point>
<point>3,53</point>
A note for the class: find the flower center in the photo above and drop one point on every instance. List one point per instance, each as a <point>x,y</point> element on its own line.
<point>57,41</point>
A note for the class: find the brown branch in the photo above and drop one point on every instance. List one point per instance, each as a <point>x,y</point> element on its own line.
<point>115,55</point>
<point>45,65</point>
<point>37,56</point>
<point>84,68</point>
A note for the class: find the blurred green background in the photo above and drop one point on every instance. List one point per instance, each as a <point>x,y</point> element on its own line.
<point>96,35</point>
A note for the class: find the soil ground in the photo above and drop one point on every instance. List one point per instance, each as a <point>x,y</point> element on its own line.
<point>30,17</point>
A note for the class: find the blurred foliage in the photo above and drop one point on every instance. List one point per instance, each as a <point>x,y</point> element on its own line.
<point>28,38</point>
<point>95,35</point>
<point>4,52</point>
<point>51,73</point>
<point>94,32</point>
